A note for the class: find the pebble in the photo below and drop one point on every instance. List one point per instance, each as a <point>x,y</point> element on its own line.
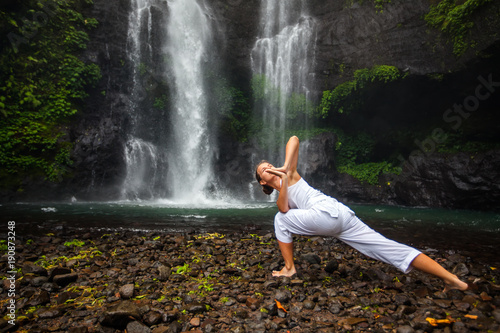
<point>156,282</point>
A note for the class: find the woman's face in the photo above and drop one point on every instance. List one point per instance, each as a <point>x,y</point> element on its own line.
<point>266,177</point>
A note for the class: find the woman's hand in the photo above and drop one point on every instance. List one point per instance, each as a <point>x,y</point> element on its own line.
<point>278,172</point>
<point>280,169</point>
<point>282,202</point>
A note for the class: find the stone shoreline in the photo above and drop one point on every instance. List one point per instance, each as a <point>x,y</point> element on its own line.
<point>157,282</point>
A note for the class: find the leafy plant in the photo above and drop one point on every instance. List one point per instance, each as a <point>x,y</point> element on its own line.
<point>182,269</point>
<point>379,4</point>
<point>342,98</point>
<point>42,83</point>
<point>453,17</point>
<point>75,243</point>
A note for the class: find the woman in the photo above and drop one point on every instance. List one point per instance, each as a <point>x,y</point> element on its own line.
<point>306,211</point>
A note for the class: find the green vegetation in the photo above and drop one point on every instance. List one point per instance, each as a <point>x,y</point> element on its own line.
<point>344,97</point>
<point>42,82</point>
<point>266,92</point>
<point>454,18</point>
<point>161,102</point>
<point>354,154</point>
<point>75,243</point>
<point>379,4</point>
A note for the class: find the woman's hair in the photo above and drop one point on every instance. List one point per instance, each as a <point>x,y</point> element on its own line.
<point>265,188</point>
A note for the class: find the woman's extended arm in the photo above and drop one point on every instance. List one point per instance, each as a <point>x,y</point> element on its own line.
<point>292,155</point>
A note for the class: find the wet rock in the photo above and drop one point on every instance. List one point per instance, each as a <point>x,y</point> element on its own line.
<point>332,266</point>
<point>230,301</point>
<point>164,272</point>
<point>308,304</point>
<point>317,302</point>
<point>78,329</point>
<point>161,329</point>
<point>311,258</point>
<point>405,329</point>
<point>459,327</point>
<point>120,315</point>
<point>195,322</point>
<point>39,281</point>
<point>31,268</point>
<point>241,313</point>
<point>252,303</point>
<point>137,327</point>
<point>152,318</point>
<point>40,298</point>
<point>460,270</point>
<point>127,291</point>
<point>64,280</point>
<point>46,313</point>
<point>196,307</point>
<point>271,284</point>
<point>58,271</point>
<point>496,315</point>
<point>241,298</point>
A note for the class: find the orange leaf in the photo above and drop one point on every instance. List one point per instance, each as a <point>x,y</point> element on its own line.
<point>470,316</point>
<point>278,304</point>
<point>436,322</point>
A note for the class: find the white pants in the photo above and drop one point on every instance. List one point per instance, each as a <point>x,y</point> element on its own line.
<point>335,219</point>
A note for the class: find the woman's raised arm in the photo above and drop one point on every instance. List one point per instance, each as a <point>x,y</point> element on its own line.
<point>292,155</point>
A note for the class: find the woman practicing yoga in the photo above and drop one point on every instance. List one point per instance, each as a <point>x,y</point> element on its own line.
<point>304,210</point>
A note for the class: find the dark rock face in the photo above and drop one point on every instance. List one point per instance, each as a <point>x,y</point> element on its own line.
<point>99,131</point>
<point>463,180</point>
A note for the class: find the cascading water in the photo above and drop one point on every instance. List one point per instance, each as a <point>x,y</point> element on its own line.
<point>168,154</point>
<point>144,159</point>
<point>281,60</point>
<point>190,168</point>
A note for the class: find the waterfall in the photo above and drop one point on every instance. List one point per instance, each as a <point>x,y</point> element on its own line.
<point>188,36</point>
<point>281,61</point>
<point>169,149</point>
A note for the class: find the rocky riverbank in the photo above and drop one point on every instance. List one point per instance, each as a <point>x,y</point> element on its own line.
<point>158,282</point>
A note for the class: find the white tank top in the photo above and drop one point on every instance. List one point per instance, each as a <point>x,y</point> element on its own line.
<point>302,196</point>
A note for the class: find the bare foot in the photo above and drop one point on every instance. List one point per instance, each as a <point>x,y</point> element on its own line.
<point>285,272</point>
<point>456,284</point>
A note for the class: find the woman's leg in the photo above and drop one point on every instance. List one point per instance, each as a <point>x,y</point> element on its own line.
<point>427,265</point>
<point>404,257</point>
<point>374,245</point>
<point>287,253</point>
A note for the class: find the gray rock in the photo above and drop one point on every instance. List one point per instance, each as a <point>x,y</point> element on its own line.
<point>460,270</point>
<point>332,266</point>
<point>65,279</point>
<point>311,258</point>
<point>283,296</point>
<point>405,329</point>
<point>496,315</point>
<point>137,327</point>
<point>31,268</point>
<point>164,272</point>
<point>58,271</point>
<point>40,298</point>
<point>120,315</point>
<point>127,291</point>
<point>196,307</point>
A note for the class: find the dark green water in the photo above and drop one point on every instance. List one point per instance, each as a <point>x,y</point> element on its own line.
<point>476,234</point>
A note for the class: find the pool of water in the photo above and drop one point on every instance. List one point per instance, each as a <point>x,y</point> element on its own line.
<point>477,234</point>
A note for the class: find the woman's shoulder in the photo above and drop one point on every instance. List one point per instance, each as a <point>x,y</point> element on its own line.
<point>293,178</point>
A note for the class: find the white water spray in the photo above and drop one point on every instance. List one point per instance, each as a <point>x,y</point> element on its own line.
<point>281,60</point>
